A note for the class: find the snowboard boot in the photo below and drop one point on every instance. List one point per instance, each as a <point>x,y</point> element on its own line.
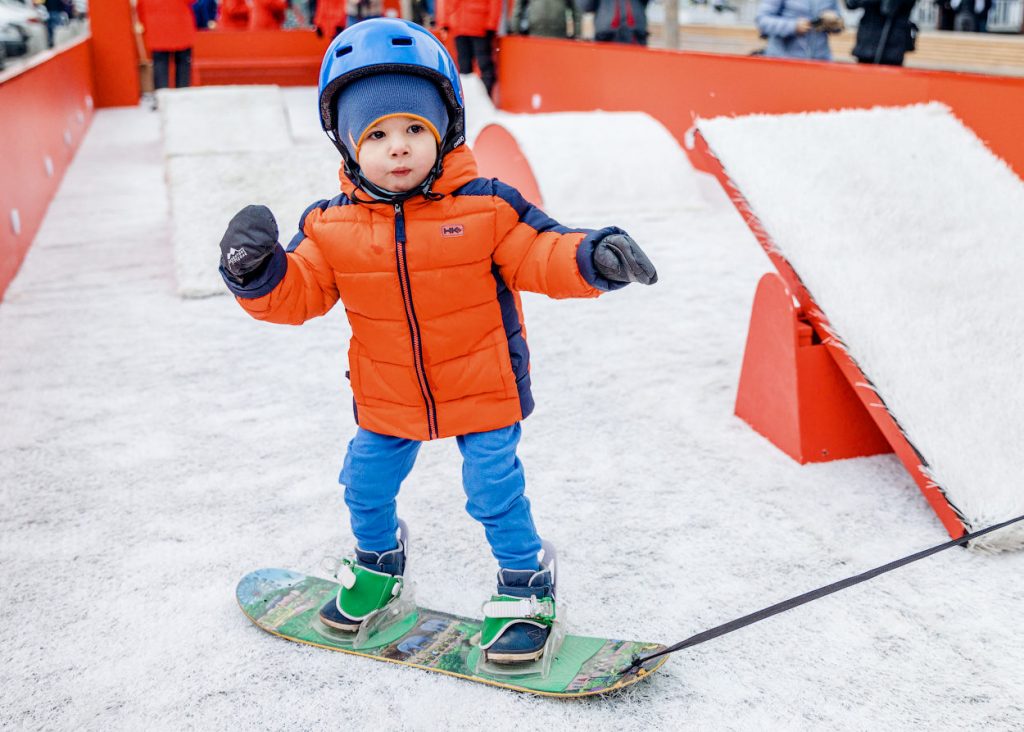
<point>368,583</point>
<point>517,621</point>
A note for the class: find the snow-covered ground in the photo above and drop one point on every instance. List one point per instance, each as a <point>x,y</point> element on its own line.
<point>154,449</point>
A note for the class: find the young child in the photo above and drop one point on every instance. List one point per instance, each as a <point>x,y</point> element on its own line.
<point>428,260</point>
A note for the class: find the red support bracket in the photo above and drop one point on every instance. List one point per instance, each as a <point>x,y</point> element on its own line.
<point>791,390</point>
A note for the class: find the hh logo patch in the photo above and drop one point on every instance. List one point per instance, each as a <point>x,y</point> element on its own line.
<point>453,230</point>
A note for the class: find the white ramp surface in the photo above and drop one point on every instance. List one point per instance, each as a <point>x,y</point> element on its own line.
<point>593,164</point>
<point>909,234</point>
<point>219,119</point>
<point>228,147</point>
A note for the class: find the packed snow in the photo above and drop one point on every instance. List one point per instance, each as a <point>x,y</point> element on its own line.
<point>154,449</point>
<point>908,235</point>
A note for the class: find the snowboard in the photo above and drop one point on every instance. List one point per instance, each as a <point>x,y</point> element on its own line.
<point>287,604</point>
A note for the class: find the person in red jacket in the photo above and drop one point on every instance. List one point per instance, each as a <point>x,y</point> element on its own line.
<point>473,24</point>
<point>329,19</point>
<point>169,29</point>
<point>234,15</point>
<point>268,14</point>
<point>428,259</point>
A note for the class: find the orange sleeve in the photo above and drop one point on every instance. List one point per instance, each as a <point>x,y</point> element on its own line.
<point>306,290</point>
<point>535,253</point>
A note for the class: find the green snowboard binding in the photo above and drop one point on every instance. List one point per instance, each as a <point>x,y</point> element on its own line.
<point>373,596</point>
<point>522,631</point>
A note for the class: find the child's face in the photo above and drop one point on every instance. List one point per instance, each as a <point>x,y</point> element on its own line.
<point>397,153</point>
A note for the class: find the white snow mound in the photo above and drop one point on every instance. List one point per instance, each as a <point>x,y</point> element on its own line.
<point>590,164</point>
<point>227,147</point>
<point>221,119</point>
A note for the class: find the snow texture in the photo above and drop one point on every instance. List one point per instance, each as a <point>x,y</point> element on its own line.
<point>588,163</point>
<point>154,449</point>
<point>907,231</point>
<point>228,147</point>
<point>223,119</point>
<point>613,176</point>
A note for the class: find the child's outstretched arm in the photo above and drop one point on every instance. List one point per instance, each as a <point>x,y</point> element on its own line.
<point>537,254</point>
<point>270,284</point>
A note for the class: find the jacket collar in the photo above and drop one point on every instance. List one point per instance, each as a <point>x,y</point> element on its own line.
<point>459,169</point>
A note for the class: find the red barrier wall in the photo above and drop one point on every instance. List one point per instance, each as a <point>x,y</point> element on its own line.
<point>286,58</point>
<point>47,108</point>
<point>674,87</point>
<point>114,56</point>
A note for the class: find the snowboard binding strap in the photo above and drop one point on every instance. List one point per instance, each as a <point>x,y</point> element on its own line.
<point>376,589</point>
<point>531,607</point>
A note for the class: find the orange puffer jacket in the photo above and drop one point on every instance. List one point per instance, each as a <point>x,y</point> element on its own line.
<point>468,17</point>
<point>431,290</point>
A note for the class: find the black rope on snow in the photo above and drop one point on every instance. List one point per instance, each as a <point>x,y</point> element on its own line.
<point>793,602</point>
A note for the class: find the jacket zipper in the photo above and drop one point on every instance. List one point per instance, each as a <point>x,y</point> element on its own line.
<point>410,317</point>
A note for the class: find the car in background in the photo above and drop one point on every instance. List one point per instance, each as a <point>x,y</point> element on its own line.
<point>12,42</point>
<point>30,21</point>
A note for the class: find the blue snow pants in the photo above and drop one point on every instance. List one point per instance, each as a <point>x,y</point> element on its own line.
<point>492,477</point>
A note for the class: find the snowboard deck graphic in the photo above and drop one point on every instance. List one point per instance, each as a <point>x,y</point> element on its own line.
<point>287,604</point>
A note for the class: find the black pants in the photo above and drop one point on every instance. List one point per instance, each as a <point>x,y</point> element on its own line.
<point>182,68</point>
<point>479,47</point>
<point>622,35</point>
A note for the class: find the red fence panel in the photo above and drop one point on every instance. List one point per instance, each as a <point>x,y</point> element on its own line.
<point>547,75</point>
<point>47,108</point>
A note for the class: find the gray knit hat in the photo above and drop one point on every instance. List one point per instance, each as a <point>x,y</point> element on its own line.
<point>370,99</point>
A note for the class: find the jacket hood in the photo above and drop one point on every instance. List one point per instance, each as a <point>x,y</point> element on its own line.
<point>459,169</point>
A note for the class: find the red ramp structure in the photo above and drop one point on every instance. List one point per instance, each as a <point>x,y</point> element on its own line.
<point>896,235</point>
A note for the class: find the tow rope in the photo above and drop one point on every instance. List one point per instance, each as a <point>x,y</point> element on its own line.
<point>803,599</point>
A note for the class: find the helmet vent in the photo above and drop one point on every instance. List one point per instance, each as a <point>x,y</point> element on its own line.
<point>343,51</point>
<point>401,41</point>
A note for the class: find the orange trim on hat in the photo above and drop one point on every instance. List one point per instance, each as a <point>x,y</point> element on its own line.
<point>426,123</point>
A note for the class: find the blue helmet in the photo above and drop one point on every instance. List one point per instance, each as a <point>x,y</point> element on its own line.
<point>390,45</point>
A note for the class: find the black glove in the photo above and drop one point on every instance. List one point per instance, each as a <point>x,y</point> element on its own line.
<point>620,259</point>
<point>248,243</point>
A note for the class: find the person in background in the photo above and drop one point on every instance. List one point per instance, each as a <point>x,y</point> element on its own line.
<point>169,29</point>
<point>473,24</point>
<point>970,16</point>
<point>234,15</point>
<point>946,15</point>
<point>268,14</point>
<point>57,11</point>
<point>618,21</point>
<point>548,18</point>
<point>798,28</point>
<point>422,12</point>
<point>205,12</point>
<point>885,32</point>
<point>329,19</point>
<point>364,10</point>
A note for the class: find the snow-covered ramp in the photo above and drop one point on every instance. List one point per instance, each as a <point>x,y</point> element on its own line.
<point>907,230</point>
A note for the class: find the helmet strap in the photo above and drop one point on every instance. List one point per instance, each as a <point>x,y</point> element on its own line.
<point>382,195</point>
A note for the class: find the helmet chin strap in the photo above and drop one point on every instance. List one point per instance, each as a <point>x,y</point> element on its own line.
<point>382,195</point>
